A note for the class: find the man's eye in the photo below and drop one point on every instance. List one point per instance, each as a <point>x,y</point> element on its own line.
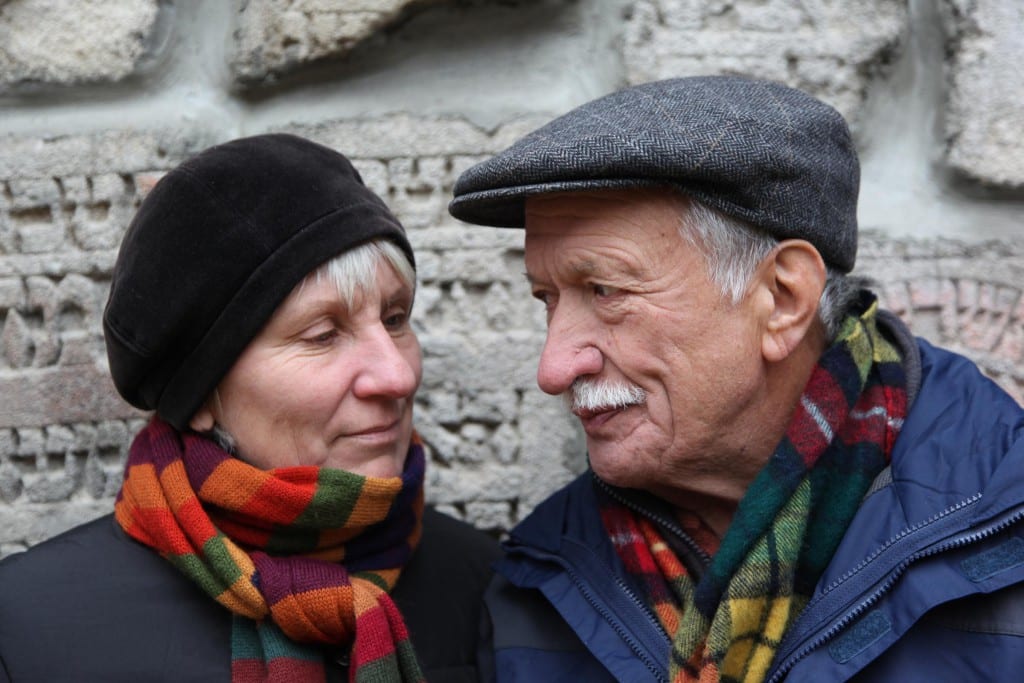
<point>605,290</point>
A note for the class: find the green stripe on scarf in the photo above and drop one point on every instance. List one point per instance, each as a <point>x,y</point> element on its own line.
<point>265,641</point>
<point>328,504</point>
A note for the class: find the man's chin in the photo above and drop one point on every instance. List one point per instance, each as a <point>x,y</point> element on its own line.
<point>615,469</point>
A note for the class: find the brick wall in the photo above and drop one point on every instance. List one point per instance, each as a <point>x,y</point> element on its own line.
<point>98,99</point>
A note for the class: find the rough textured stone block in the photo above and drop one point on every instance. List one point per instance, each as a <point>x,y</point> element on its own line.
<point>60,395</point>
<point>276,36</point>
<point>29,158</point>
<point>404,136</point>
<point>59,439</point>
<point>826,48</point>
<point>8,444</point>
<point>985,113</point>
<point>12,292</point>
<point>552,451</point>
<point>53,42</point>
<point>31,193</point>
<point>50,487</point>
<point>27,524</point>
<point>30,442</point>
<point>489,515</point>
<point>964,297</point>
<point>10,482</point>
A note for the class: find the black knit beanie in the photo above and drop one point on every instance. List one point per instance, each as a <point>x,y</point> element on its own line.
<point>217,245</point>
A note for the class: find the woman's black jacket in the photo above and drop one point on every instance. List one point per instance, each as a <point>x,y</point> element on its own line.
<point>94,605</point>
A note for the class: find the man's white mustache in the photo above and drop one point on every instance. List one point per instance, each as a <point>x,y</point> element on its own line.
<point>594,394</point>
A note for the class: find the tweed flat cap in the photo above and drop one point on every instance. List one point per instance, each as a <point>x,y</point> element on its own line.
<point>755,150</point>
<point>215,247</point>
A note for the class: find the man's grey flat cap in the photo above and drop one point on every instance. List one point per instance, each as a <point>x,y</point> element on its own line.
<point>755,150</point>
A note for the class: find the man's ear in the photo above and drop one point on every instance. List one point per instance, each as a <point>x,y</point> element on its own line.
<point>794,273</point>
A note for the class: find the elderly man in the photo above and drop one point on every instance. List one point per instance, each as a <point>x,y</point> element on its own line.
<point>783,483</point>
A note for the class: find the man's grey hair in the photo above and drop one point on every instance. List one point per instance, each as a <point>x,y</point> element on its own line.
<point>733,249</point>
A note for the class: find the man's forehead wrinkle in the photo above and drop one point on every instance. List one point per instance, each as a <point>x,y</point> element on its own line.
<point>626,257</point>
<point>623,261</point>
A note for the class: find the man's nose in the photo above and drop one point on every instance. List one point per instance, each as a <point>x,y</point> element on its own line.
<point>568,353</point>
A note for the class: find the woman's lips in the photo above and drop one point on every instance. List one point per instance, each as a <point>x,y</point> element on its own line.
<point>377,430</point>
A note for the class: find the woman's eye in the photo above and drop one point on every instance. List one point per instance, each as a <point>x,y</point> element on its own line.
<point>396,320</point>
<point>322,338</point>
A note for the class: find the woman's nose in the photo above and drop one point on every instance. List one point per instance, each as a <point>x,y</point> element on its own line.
<point>391,366</point>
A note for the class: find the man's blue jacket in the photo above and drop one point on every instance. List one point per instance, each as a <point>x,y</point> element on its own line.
<point>927,584</point>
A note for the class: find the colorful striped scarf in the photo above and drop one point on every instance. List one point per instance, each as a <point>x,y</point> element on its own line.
<point>728,625</point>
<point>303,557</point>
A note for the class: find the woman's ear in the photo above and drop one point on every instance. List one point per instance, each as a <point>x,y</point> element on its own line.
<point>795,275</point>
<point>203,420</point>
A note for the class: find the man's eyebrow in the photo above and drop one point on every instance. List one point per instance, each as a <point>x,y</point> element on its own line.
<point>581,268</point>
<point>585,267</point>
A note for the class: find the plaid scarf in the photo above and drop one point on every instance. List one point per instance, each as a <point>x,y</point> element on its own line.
<point>303,557</point>
<point>728,625</point>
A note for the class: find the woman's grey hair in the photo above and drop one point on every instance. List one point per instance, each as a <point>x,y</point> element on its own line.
<point>733,249</point>
<point>352,273</point>
<point>222,438</point>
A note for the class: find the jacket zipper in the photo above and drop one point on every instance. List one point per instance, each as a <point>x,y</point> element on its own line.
<point>588,595</point>
<point>667,523</point>
<point>633,644</point>
<point>958,542</point>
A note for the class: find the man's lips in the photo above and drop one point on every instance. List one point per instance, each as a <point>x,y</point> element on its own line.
<point>592,418</point>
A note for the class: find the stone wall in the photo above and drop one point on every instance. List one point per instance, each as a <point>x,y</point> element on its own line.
<point>99,99</point>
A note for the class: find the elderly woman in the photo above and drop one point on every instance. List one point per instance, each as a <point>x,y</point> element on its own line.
<point>271,523</point>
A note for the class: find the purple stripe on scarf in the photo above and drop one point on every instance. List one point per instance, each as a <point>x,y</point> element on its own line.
<point>281,577</point>
<point>158,445</point>
<point>385,544</point>
<point>412,479</point>
<point>201,458</point>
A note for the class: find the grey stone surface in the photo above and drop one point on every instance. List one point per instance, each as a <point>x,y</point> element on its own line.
<point>829,49</point>
<point>37,159</point>
<point>965,297</point>
<point>434,88</point>
<point>985,114</point>
<point>26,524</point>
<point>54,42</point>
<point>276,36</point>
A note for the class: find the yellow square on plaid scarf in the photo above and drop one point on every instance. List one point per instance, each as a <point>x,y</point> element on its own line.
<point>748,615</point>
<point>764,620</point>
